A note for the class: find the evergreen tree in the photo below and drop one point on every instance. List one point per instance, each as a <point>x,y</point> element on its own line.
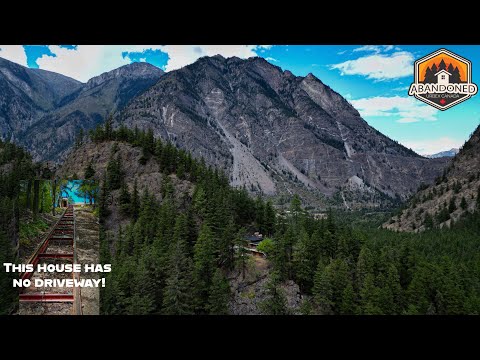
<point>103,201</point>
<point>204,265</point>
<point>269,219</point>
<point>455,78</point>
<point>219,294</point>
<point>305,261</point>
<point>125,200</point>
<point>369,297</point>
<point>135,204</point>
<point>89,172</point>
<point>241,252</point>
<point>276,302</point>
<point>348,305</point>
<point>442,65</point>
<point>428,221</point>
<point>178,297</point>
<point>452,207</point>
<point>322,289</point>
<point>79,139</point>
<point>463,203</point>
<point>365,265</point>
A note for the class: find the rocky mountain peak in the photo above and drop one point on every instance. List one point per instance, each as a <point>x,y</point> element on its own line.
<point>276,133</point>
<point>134,70</point>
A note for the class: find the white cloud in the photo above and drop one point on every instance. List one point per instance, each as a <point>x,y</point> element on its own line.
<point>407,120</point>
<point>15,53</point>
<point>271,59</point>
<point>432,146</point>
<point>377,49</point>
<point>401,88</point>
<point>182,55</point>
<point>378,66</point>
<point>87,61</point>
<point>407,109</point>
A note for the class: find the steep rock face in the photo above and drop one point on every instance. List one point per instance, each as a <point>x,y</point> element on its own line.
<point>453,194</point>
<point>27,94</point>
<point>277,133</point>
<point>54,133</point>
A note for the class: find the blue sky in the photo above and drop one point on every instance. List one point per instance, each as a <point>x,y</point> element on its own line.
<point>373,78</point>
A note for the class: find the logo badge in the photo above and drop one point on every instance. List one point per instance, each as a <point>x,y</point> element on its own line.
<point>443,79</point>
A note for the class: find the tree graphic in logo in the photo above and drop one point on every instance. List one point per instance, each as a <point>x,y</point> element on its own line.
<point>433,74</point>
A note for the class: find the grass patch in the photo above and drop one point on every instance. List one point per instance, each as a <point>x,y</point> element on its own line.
<point>29,231</point>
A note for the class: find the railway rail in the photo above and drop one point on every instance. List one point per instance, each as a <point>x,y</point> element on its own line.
<point>58,245</point>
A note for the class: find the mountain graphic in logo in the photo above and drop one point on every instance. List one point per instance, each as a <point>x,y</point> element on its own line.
<point>443,79</point>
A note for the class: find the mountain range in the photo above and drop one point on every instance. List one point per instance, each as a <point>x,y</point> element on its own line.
<point>271,131</point>
<point>448,153</point>
<point>277,133</point>
<point>44,111</point>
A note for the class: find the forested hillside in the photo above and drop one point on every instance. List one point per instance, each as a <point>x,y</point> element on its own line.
<point>15,165</point>
<point>454,195</point>
<point>376,271</point>
<point>176,250</point>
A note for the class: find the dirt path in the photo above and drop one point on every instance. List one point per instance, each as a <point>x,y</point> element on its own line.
<point>88,252</point>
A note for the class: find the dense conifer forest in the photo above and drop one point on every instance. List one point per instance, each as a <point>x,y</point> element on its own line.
<point>15,165</point>
<point>175,255</point>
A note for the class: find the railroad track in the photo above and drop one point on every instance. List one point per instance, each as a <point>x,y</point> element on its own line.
<point>59,245</point>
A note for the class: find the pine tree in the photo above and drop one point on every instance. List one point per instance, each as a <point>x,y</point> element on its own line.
<point>452,207</point>
<point>109,128</point>
<point>442,65</point>
<point>463,203</point>
<point>241,252</point>
<point>135,204</point>
<point>269,219</point>
<point>114,172</point>
<point>428,221</point>
<point>305,261</point>
<point>322,289</point>
<point>225,247</point>
<point>348,306</point>
<point>219,294</point>
<point>455,78</point>
<point>369,297</point>
<point>89,172</point>
<point>79,139</point>
<point>204,264</point>
<point>365,265</point>
<point>276,302</point>
<point>103,205</point>
<point>125,200</point>
<point>178,297</point>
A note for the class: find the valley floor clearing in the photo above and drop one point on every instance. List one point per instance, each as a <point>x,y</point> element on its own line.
<point>70,283</point>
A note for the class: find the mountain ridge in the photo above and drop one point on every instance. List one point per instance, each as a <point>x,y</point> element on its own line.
<point>46,110</point>
<point>453,195</point>
<point>447,153</point>
<point>263,124</point>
